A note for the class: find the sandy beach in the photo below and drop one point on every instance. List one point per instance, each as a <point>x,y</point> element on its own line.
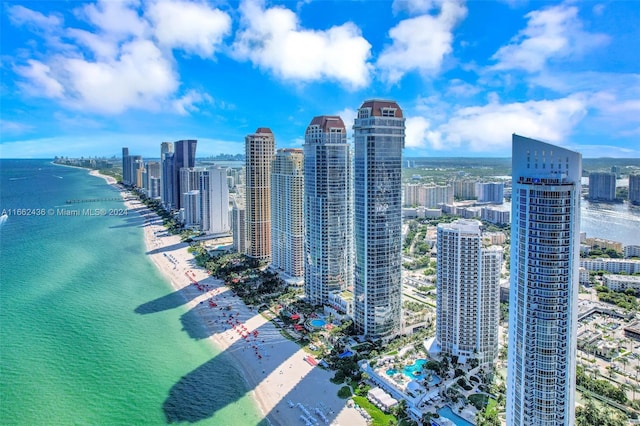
<point>287,388</point>
<point>109,179</point>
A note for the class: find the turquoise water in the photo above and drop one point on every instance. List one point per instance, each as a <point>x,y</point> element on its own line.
<point>414,371</point>
<point>456,419</point>
<point>89,330</point>
<point>392,372</point>
<point>318,323</point>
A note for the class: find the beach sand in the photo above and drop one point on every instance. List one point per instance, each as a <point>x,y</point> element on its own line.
<point>281,380</point>
<point>109,179</point>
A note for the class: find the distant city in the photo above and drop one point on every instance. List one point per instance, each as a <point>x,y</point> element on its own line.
<point>463,289</point>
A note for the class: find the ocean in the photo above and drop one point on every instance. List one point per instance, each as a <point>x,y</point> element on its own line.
<point>90,332</point>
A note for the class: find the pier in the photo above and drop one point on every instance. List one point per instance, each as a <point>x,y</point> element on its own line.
<point>93,200</point>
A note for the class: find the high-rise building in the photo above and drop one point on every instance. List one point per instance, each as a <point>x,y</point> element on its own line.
<point>602,186</point>
<point>184,156</point>
<point>379,139</point>
<point>238,225</point>
<point>153,171</point>
<point>464,189</point>
<point>468,292</point>
<point>125,166</point>
<point>135,166</point>
<point>634,188</point>
<point>209,185</point>
<point>490,192</point>
<point>165,194</point>
<point>259,152</point>
<point>328,209</point>
<point>430,196</point>
<point>167,181</point>
<point>287,215</point>
<point>543,298</point>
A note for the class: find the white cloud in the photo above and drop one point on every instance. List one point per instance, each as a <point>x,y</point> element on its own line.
<point>415,6</point>
<point>141,77</point>
<point>117,19</point>
<point>118,61</point>
<point>552,33</point>
<point>40,82</point>
<point>421,43</point>
<point>20,15</point>
<point>461,88</point>
<point>488,128</point>
<point>187,103</point>
<point>419,135</point>
<point>348,115</point>
<point>8,127</point>
<point>273,40</point>
<point>194,27</point>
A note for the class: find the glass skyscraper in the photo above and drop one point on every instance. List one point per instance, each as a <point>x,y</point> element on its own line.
<point>379,139</point>
<point>328,264</point>
<point>545,245</point>
<point>184,156</point>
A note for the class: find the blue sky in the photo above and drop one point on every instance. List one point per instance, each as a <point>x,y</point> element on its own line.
<point>88,78</point>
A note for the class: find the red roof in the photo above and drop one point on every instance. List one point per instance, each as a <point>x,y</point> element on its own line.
<point>327,122</point>
<point>377,105</point>
<point>264,130</point>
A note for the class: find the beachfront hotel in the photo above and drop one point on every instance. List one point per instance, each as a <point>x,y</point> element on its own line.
<point>468,292</point>
<point>184,156</point>
<point>259,152</point>
<point>543,296</point>
<point>287,219</point>
<point>379,132</point>
<point>328,209</point>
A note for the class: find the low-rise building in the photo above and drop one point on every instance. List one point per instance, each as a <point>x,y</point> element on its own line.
<point>614,266</point>
<point>631,251</point>
<point>621,282</point>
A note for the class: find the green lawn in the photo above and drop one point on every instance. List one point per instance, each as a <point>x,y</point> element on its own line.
<point>379,418</point>
<point>492,406</point>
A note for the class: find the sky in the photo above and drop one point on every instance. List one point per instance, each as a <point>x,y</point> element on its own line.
<point>87,78</point>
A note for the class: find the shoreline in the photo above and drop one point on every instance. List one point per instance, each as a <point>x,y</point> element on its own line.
<point>93,172</point>
<point>284,386</point>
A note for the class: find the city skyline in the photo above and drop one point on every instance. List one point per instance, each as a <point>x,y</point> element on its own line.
<point>78,78</point>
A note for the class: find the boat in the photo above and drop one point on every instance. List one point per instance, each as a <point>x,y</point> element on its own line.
<point>3,219</point>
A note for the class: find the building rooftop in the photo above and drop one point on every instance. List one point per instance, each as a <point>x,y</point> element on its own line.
<point>263,130</point>
<point>327,122</point>
<point>377,106</point>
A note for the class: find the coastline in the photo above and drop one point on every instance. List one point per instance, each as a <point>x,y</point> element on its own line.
<point>284,385</point>
<point>93,172</point>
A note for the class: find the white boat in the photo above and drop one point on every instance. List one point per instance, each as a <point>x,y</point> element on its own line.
<point>3,219</point>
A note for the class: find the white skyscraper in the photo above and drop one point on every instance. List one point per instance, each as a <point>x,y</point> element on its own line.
<point>287,216</point>
<point>545,245</point>
<point>468,292</point>
<point>328,209</point>
<point>213,197</point>
<point>379,139</point>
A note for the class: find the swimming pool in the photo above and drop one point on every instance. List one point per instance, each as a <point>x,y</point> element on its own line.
<point>392,372</point>
<point>318,323</point>
<point>448,413</point>
<point>414,371</point>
